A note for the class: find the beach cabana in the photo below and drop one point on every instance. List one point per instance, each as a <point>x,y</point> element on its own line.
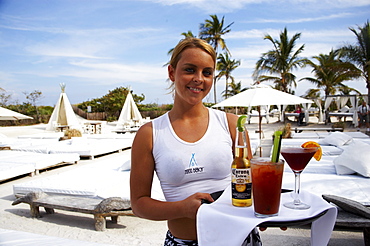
<point>130,115</point>
<point>341,101</point>
<point>63,115</point>
<point>7,114</point>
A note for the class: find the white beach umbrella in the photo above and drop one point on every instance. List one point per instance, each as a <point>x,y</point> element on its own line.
<point>261,96</point>
<point>7,114</point>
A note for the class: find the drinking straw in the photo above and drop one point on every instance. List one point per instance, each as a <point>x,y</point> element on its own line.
<point>276,146</point>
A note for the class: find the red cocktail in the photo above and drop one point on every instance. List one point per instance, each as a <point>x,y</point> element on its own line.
<point>266,178</point>
<point>297,159</point>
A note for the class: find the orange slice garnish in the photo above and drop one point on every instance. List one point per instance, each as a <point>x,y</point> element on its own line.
<point>318,153</point>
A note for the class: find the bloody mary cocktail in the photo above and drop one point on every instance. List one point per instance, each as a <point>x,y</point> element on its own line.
<point>266,186</point>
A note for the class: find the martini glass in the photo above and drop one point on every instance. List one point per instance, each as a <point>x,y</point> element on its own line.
<point>297,159</point>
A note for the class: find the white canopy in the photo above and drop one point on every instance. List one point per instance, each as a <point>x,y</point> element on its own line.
<point>130,113</point>
<point>7,114</point>
<point>63,114</point>
<point>260,96</point>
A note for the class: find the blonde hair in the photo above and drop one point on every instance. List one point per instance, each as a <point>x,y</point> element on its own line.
<point>186,43</point>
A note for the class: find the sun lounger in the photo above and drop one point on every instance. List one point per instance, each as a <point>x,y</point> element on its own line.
<point>304,135</point>
<point>351,134</point>
<point>51,135</point>
<point>16,238</point>
<point>17,163</point>
<point>108,177</point>
<point>100,208</point>
<point>328,129</point>
<point>91,148</point>
<point>10,170</point>
<point>340,115</point>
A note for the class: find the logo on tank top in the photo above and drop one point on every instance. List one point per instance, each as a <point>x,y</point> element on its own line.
<point>193,166</point>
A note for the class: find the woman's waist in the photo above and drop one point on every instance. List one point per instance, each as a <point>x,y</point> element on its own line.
<point>183,228</point>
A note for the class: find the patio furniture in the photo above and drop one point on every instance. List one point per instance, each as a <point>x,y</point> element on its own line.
<point>100,208</point>
<point>328,129</point>
<point>352,214</point>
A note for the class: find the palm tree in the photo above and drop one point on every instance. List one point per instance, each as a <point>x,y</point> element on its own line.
<point>212,31</point>
<point>226,65</point>
<point>330,72</point>
<point>280,61</point>
<point>188,34</point>
<point>346,90</point>
<point>312,93</point>
<point>359,53</point>
<point>233,89</point>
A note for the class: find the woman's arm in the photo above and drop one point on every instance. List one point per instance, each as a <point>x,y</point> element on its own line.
<point>141,177</point>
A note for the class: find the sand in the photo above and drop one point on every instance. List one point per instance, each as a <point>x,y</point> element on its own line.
<point>130,230</point>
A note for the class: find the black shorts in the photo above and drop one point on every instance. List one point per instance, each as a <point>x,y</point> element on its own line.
<point>253,239</point>
<point>173,241</point>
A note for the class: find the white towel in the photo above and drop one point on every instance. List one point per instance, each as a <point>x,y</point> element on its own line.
<point>220,223</point>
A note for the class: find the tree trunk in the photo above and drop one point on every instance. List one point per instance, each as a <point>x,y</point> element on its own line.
<point>368,91</point>
<point>214,89</point>
<point>226,90</point>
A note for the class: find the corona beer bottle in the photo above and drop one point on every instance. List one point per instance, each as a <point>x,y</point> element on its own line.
<point>241,182</point>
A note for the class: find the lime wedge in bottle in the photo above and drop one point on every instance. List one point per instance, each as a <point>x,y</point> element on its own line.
<point>241,122</point>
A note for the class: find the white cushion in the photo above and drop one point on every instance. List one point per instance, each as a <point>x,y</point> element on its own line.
<point>354,159</point>
<point>345,109</point>
<point>337,139</point>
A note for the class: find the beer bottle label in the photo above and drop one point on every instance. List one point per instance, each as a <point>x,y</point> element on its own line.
<point>241,183</point>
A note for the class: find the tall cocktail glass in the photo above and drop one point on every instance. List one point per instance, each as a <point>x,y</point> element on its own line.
<point>297,159</point>
<point>266,186</point>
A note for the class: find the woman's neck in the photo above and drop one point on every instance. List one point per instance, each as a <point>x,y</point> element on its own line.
<point>188,111</point>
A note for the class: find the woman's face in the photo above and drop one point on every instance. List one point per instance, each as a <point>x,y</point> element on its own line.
<point>193,76</point>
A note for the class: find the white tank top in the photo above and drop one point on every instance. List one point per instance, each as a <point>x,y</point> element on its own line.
<point>185,168</point>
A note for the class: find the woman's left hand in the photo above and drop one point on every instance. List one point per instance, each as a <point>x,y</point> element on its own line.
<point>193,202</point>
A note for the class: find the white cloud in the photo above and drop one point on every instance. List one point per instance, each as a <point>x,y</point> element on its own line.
<point>302,20</point>
<point>222,6</point>
<point>111,73</point>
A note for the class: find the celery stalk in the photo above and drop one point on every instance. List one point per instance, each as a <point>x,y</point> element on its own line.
<point>276,146</point>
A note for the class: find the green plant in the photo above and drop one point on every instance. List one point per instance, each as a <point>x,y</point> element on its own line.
<point>287,130</point>
<point>339,124</point>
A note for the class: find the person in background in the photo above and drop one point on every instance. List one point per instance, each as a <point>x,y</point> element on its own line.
<point>300,116</point>
<point>363,113</point>
<point>190,148</point>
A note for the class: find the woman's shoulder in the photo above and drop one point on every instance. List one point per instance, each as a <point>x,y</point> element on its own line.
<point>145,130</point>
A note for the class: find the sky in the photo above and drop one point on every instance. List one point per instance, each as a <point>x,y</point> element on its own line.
<point>95,46</point>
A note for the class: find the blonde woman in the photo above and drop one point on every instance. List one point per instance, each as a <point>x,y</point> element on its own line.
<point>190,148</point>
